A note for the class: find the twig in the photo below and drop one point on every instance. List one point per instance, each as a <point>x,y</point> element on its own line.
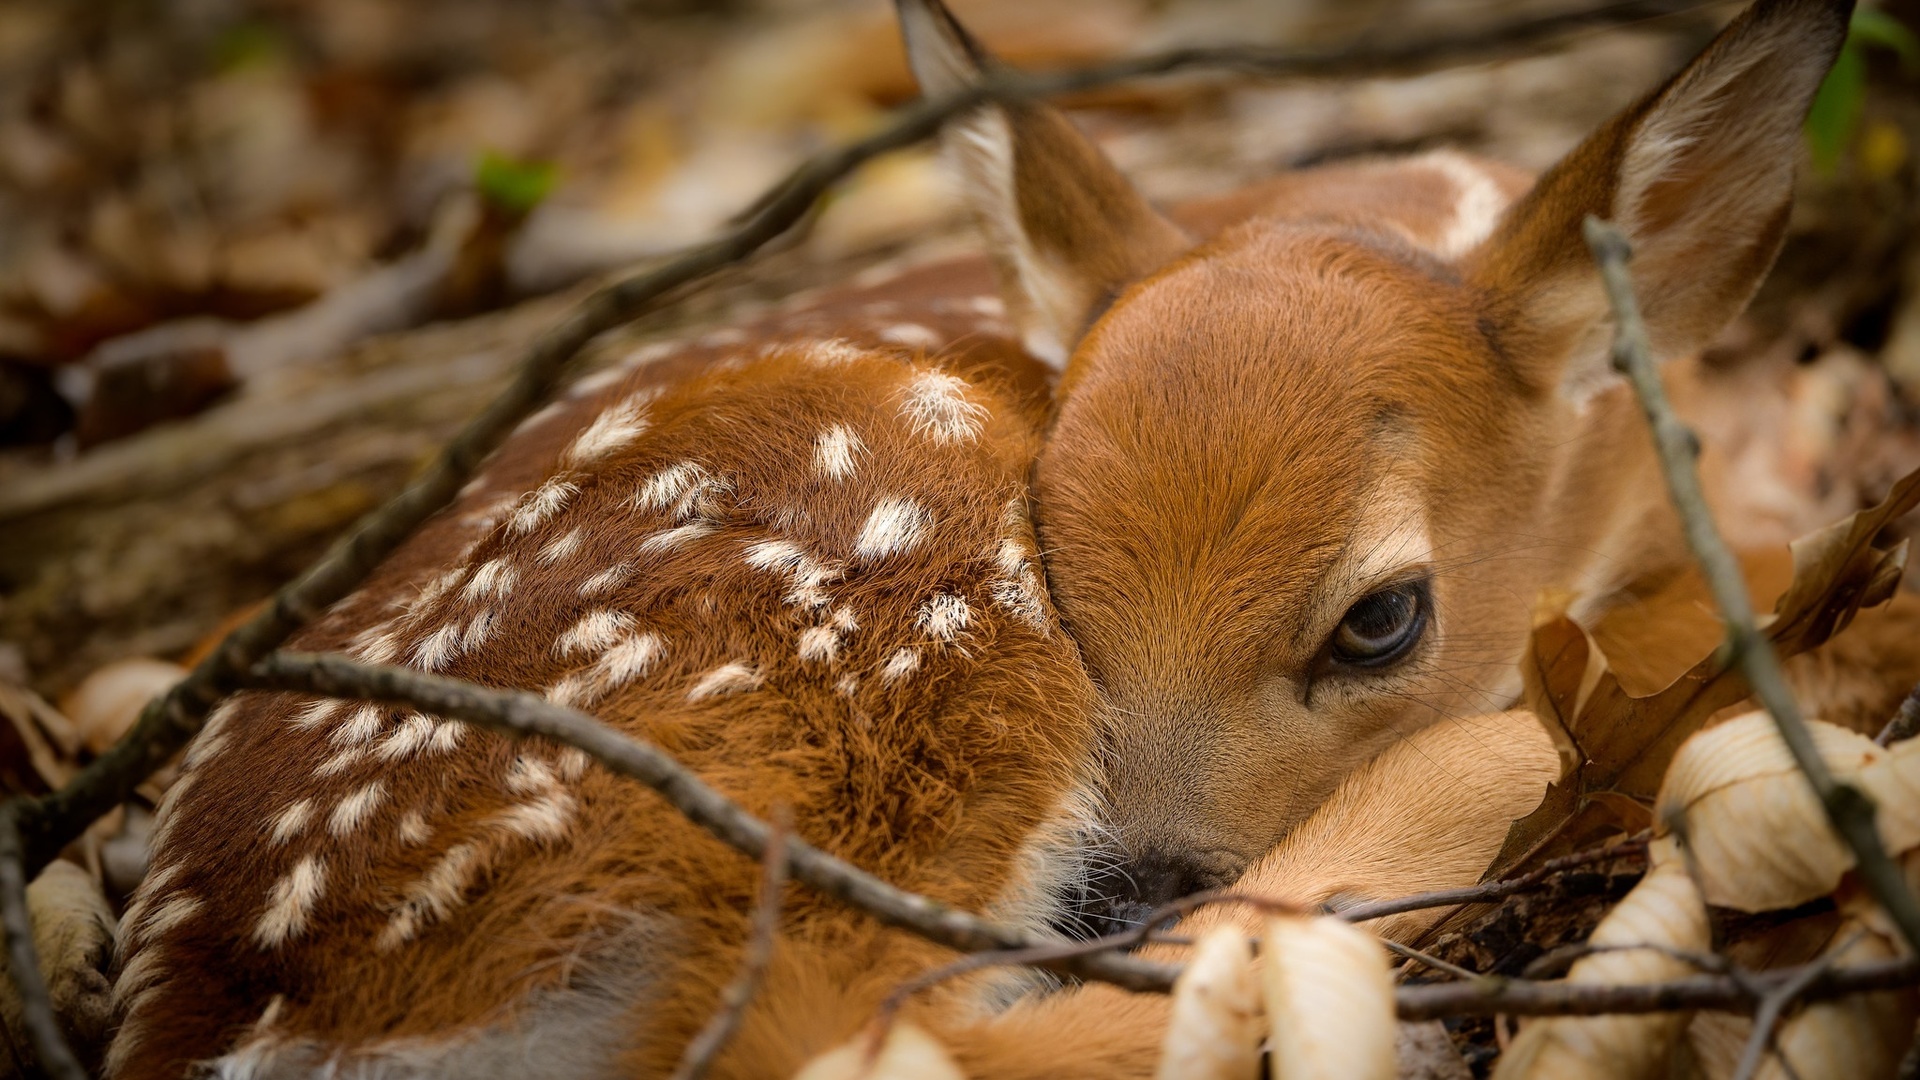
<point>1905,723</point>
<point>1484,996</point>
<point>713,1038</point>
<point>519,713</point>
<point>23,962</point>
<point>1491,891</point>
<point>1848,809</point>
<point>1767,1017</point>
<point>1428,959</point>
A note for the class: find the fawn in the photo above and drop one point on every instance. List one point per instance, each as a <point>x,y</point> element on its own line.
<point>1277,500</point>
<point>1318,451</point>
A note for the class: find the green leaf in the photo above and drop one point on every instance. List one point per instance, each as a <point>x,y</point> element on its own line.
<point>1836,109</point>
<point>514,186</point>
<point>1873,27</point>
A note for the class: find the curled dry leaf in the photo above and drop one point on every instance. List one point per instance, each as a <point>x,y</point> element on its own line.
<point>1855,1036</point>
<point>1759,838</point>
<point>1214,1030</point>
<point>907,1054</point>
<point>1617,745</point>
<point>73,931</point>
<point>1639,941</point>
<point>1329,1000</point>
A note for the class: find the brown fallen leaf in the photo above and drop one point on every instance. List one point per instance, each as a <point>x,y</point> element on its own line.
<point>1615,746</point>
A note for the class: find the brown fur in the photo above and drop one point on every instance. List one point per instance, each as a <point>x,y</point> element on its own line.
<point>1359,374</point>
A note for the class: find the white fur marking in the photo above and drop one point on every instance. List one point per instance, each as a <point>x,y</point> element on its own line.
<point>356,808</point>
<point>944,616</point>
<point>605,581</point>
<point>407,739</point>
<point>495,577</point>
<point>912,335</point>
<point>834,450</point>
<point>610,431</point>
<point>726,679</point>
<point>291,902</point>
<point>595,632</point>
<point>896,525</point>
<point>1476,210</point>
<point>547,500</point>
<point>936,404</point>
<point>901,664</point>
<point>362,726</point>
<point>562,548</point>
<point>819,645</point>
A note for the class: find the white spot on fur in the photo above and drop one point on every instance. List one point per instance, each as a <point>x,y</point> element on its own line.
<point>721,338</point>
<point>819,645</point>
<point>944,616</point>
<point>407,739</point>
<point>605,581</point>
<point>167,915</point>
<point>546,413</point>
<point>686,490</point>
<point>1022,596</point>
<point>829,352</point>
<point>901,664</point>
<point>896,525</point>
<point>433,897</point>
<point>935,403</point>
<point>834,450</point>
<point>625,661</point>
<point>562,547</point>
<point>376,645</point>
<point>356,808</point>
<point>292,821</point>
<point>1476,209</point>
<point>412,828</point>
<point>726,679</point>
<point>572,763</point>
<point>544,818</point>
<point>317,713</point>
<point>437,650</point>
<point>675,537</point>
<point>648,354</point>
<point>612,430</point>
<point>478,630</point>
<point>528,776</point>
<point>808,575</point>
<point>164,815</point>
<point>847,686</point>
<point>340,762</point>
<point>495,577</point>
<point>446,736</point>
<point>291,903</point>
<point>362,726</point>
<point>595,631</point>
<point>987,307</point>
<point>596,382</point>
<point>541,505</point>
<point>912,335</point>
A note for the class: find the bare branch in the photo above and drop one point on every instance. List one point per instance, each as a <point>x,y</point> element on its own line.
<point>1427,959</point>
<point>23,961</point>
<point>1487,995</point>
<point>519,713</point>
<point>1905,723</point>
<point>1848,808</point>
<point>1767,1017</point>
<point>713,1038</point>
<point>1493,890</point>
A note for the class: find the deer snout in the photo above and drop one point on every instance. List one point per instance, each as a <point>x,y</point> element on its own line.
<point>1125,895</point>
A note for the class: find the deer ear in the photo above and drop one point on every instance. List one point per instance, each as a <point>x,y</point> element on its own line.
<point>1699,175</point>
<point>1064,228</point>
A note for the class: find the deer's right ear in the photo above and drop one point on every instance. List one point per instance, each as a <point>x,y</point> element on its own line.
<point>1700,176</point>
<point>1066,231</point>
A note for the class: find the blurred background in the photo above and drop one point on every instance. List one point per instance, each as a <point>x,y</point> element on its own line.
<point>259,258</point>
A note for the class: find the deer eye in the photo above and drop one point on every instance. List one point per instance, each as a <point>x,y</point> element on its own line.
<point>1382,627</point>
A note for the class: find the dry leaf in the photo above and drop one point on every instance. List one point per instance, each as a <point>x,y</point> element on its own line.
<point>1758,835</point>
<point>1621,743</point>
<point>1214,1030</point>
<point>73,931</point>
<point>1329,1000</point>
<point>1855,1036</point>
<point>107,702</point>
<point>1663,910</point>
<point>907,1054</point>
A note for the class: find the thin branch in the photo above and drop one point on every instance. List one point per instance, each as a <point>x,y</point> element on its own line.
<point>1767,1017</point>
<point>713,1038</point>
<point>1905,723</point>
<point>1485,996</point>
<point>1493,890</point>
<point>1848,809</point>
<point>23,962</point>
<point>50,823</point>
<point>519,713</point>
<point>1428,959</point>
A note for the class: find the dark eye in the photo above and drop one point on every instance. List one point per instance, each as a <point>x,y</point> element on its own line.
<point>1383,627</point>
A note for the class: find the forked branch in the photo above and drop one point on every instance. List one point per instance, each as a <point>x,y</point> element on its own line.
<point>1848,809</point>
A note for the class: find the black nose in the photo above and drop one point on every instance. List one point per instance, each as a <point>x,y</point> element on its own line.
<point>1121,897</point>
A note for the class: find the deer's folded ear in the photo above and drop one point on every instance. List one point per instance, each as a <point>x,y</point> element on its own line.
<point>1066,231</point>
<point>1700,176</point>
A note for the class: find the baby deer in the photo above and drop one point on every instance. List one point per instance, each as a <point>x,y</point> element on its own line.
<point>1312,469</point>
<point>1278,503</point>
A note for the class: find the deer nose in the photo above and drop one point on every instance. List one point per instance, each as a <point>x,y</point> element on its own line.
<point>1124,896</point>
